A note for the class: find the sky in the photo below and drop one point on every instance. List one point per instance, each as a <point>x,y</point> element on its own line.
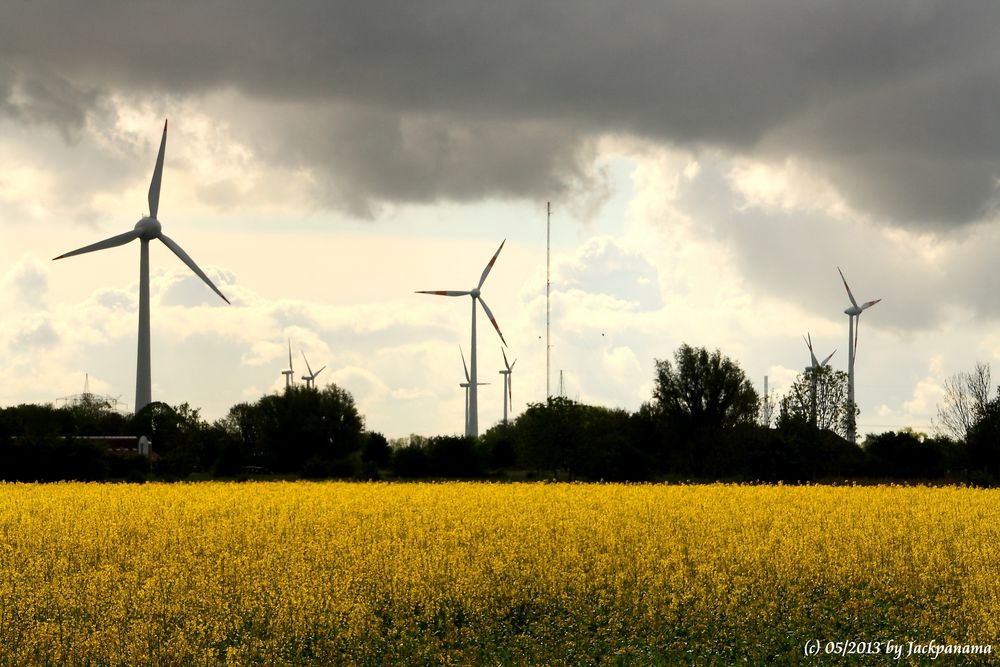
<point>709,164</point>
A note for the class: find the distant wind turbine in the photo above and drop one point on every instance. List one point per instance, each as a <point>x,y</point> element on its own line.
<point>854,323</point>
<point>815,366</point>
<point>472,424</point>
<point>507,384</point>
<point>466,385</point>
<point>147,229</point>
<point>289,372</point>
<point>311,378</point>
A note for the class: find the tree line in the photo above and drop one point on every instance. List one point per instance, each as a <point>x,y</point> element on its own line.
<point>704,422</point>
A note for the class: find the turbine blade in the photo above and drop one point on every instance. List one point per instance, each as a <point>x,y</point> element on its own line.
<point>493,320</point>
<point>154,185</point>
<point>510,390</point>
<point>184,257</point>
<point>870,304</point>
<point>853,302</point>
<point>505,362</point>
<point>112,242</point>
<point>443,292</point>
<point>316,374</point>
<point>809,343</point>
<point>489,266</point>
<point>857,329</point>
<point>467,378</point>
<point>825,361</point>
<point>308,368</point>
<point>290,367</point>
<point>512,364</point>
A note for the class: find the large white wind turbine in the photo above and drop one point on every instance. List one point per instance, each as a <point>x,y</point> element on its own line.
<point>815,366</point>
<point>465,385</point>
<point>854,323</point>
<point>289,372</point>
<point>506,384</point>
<point>311,378</point>
<point>472,424</point>
<point>146,230</point>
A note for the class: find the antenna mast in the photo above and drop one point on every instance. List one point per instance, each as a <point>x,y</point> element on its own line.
<point>548,263</point>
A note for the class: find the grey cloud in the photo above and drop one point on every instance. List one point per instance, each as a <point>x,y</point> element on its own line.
<point>183,288</point>
<point>892,100</point>
<point>606,268</point>
<point>47,98</point>
<point>38,333</point>
<point>27,282</point>
<point>116,299</point>
<point>368,156</point>
<point>793,256</point>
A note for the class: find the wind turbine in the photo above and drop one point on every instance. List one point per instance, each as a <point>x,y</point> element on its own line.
<point>472,424</point>
<point>465,385</point>
<point>311,378</point>
<point>289,373</point>
<point>506,384</point>
<point>147,229</point>
<point>853,315</point>
<point>815,366</point>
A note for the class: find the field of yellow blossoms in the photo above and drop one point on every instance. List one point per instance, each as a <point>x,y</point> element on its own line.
<point>343,573</point>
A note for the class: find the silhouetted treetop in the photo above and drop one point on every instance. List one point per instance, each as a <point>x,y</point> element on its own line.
<point>702,389</point>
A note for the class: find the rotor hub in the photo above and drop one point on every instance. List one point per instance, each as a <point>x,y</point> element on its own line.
<point>148,228</point>
<point>474,293</point>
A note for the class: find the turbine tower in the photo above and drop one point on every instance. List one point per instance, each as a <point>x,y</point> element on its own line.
<point>289,372</point>
<point>815,366</point>
<point>472,424</point>
<point>147,229</point>
<point>854,322</point>
<point>466,386</point>
<point>506,384</point>
<point>311,378</point>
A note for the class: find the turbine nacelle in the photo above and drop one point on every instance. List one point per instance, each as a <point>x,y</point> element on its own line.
<point>148,229</point>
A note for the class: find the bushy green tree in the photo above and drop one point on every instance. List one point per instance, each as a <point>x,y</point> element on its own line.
<point>982,447</point>
<point>703,389</point>
<point>581,440</point>
<point>302,425</point>
<point>177,434</point>
<point>832,409</point>
<point>906,455</point>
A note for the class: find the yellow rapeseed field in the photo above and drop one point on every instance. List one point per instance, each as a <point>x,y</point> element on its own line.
<point>459,573</point>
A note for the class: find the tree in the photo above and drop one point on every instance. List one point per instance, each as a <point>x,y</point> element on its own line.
<point>906,454</point>
<point>244,425</point>
<point>831,400</point>
<point>304,425</point>
<point>585,441</point>
<point>982,451</point>
<point>375,450</point>
<point>702,389</point>
<point>95,415</point>
<point>547,434</point>
<point>177,434</point>
<point>966,398</point>
<point>765,410</point>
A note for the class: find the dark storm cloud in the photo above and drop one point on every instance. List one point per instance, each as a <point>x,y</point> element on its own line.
<point>893,100</point>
